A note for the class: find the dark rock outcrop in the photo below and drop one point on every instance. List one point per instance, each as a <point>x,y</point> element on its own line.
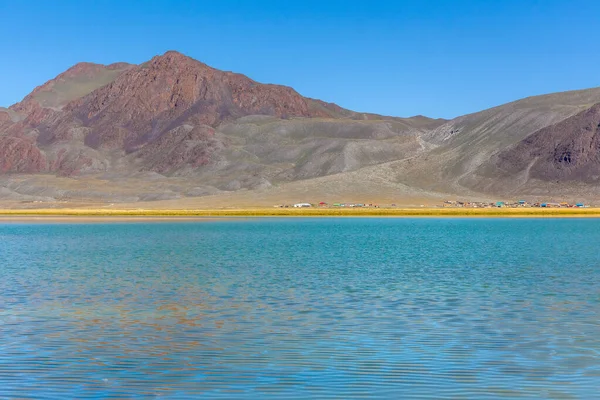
<point>567,151</point>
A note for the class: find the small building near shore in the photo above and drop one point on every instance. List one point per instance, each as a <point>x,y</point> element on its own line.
<point>300,205</point>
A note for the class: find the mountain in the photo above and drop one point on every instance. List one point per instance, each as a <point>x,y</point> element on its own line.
<point>177,117</point>
<point>76,82</point>
<point>474,153</point>
<point>173,127</point>
<point>562,152</point>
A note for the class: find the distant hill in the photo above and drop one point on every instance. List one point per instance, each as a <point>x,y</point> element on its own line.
<point>479,151</point>
<point>173,127</point>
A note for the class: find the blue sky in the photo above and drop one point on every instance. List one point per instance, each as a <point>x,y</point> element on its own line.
<point>438,58</point>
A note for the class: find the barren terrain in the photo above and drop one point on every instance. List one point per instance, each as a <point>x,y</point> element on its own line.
<point>176,133</point>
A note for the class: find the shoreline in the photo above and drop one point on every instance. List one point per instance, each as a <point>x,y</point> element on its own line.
<point>156,215</point>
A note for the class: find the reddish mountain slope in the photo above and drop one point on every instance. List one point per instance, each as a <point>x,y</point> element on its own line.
<point>164,115</point>
<point>172,89</point>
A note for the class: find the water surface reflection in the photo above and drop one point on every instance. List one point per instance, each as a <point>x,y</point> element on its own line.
<point>419,308</point>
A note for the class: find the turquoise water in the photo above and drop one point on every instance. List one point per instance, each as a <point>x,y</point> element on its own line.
<point>292,308</point>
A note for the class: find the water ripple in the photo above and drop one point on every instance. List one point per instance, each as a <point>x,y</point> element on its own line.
<point>292,308</point>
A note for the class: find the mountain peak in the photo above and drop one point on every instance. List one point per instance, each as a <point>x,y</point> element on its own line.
<point>174,54</point>
<point>174,62</point>
<point>89,70</point>
<point>77,81</point>
<point>173,57</point>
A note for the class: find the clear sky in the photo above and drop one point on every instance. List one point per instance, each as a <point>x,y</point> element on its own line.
<point>440,58</point>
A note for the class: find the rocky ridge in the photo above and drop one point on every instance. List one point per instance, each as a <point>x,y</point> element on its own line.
<point>183,128</point>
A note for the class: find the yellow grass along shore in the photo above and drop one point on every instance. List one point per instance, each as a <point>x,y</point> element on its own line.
<point>303,212</point>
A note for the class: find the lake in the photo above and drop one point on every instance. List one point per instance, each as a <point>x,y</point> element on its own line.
<point>297,307</point>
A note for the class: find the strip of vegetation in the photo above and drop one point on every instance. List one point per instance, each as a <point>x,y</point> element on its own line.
<point>305,212</point>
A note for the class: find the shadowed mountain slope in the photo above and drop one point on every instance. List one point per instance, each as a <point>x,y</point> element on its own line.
<point>566,151</point>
